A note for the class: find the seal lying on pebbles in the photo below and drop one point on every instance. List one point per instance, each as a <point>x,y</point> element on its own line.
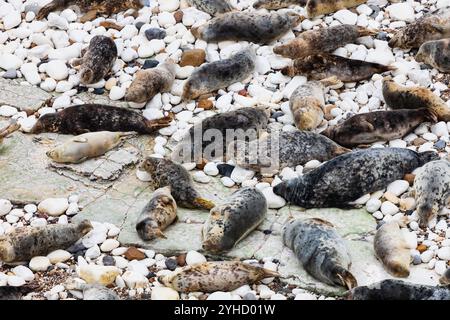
<point>85,146</point>
<point>24,243</point>
<point>366,128</point>
<point>96,117</point>
<point>215,276</point>
<point>157,215</point>
<point>98,60</point>
<point>164,172</point>
<point>392,289</point>
<point>212,7</point>
<point>253,26</point>
<point>92,7</point>
<point>401,97</point>
<point>391,248</point>
<point>220,74</point>
<point>277,4</point>
<point>233,220</point>
<point>92,291</point>
<point>322,66</point>
<point>436,54</point>
<point>321,41</point>
<point>433,26</point>
<point>350,176</point>
<point>316,8</point>
<point>293,148</point>
<point>445,279</point>
<point>15,293</point>
<point>150,82</point>
<point>432,190</point>
<point>321,251</point>
<point>246,119</point>
<point>307,103</point>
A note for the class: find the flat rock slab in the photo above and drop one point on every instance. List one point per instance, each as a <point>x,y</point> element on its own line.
<point>24,97</point>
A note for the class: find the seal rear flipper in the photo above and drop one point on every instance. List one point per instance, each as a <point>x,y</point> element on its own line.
<point>153,125</point>
<point>430,115</point>
<point>364,32</point>
<point>203,203</point>
<point>346,278</point>
<point>52,6</point>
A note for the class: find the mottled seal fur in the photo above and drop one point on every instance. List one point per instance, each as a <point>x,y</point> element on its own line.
<point>233,220</point>
<point>150,82</point>
<point>277,4</point>
<point>432,190</point>
<point>212,7</point>
<point>157,215</point>
<point>436,54</point>
<point>164,172</point>
<point>321,40</point>
<point>290,148</point>
<point>321,66</point>
<point>445,279</point>
<point>24,243</point>
<point>321,251</point>
<point>307,103</point>
<point>220,74</point>
<point>400,97</point>
<point>96,117</point>
<point>215,276</point>
<point>366,128</point>
<point>15,293</point>
<point>316,8</point>
<point>249,26</point>
<point>249,119</point>
<point>433,26</point>
<point>346,178</point>
<point>392,289</point>
<point>98,60</point>
<point>92,291</point>
<point>391,248</point>
<point>93,7</point>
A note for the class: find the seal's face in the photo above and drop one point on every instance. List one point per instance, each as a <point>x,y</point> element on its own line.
<point>426,211</point>
<point>53,154</point>
<point>149,164</point>
<point>46,123</point>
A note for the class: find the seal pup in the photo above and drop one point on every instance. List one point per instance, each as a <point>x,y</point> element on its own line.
<point>445,279</point>
<point>432,26</point>
<point>432,190</point>
<point>86,146</point>
<point>15,293</point>
<point>392,289</point>
<point>165,172</point>
<point>277,4</point>
<point>150,82</point>
<point>321,40</point>
<point>391,248</point>
<point>92,8</point>
<point>400,97</point>
<point>91,291</point>
<point>293,148</point>
<point>321,66</point>
<point>157,215</point>
<point>98,60</point>
<point>233,220</point>
<point>366,128</point>
<point>320,250</point>
<point>247,120</point>
<point>97,117</point>
<point>316,8</point>
<point>212,7</point>
<point>436,54</point>
<point>250,26</point>
<point>307,103</point>
<point>24,243</point>
<point>216,75</point>
<point>348,177</point>
<point>215,276</point>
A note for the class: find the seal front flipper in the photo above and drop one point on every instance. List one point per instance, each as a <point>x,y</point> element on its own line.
<point>157,124</point>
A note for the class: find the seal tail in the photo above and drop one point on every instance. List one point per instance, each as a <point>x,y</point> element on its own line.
<point>346,278</point>
<point>203,203</point>
<point>153,125</point>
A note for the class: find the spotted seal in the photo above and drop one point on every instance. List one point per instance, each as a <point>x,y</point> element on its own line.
<point>157,215</point>
<point>212,7</point>
<point>215,276</point>
<point>165,172</point>
<point>277,4</point>
<point>320,250</point>
<point>316,8</point>
<point>346,178</point>
<point>233,220</point>
<point>436,54</point>
<point>366,128</point>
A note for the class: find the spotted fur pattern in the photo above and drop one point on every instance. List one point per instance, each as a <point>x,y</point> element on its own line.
<point>436,54</point>
<point>98,60</point>
<point>212,7</point>
<point>316,8</point>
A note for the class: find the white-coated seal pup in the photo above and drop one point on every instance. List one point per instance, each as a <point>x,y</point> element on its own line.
<point>436,54</point>
<point>220,74</point>
<point>24,243</point>
<point>348,177</point>
<point>212,7</point>
<point>157,215</point>
<point>320,250</point>
<point>391,248</point>
<point>432,190</point>
<point>233,220</point>
<point>215,276</point>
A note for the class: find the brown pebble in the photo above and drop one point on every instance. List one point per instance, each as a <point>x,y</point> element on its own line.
<point>181,260</point>
<point>178,16</point>
<point>267,179</point>
<point>391,197</point>
<point>201,165</point>
<point>134,254</point>
<point>194,57</point>
<point>327,112</point>
<point>410,178</point>
<point>111,25</point>
<point>243,92</point>
<point>421,248</point>
<point>419,141</point>
<point>205,104</point>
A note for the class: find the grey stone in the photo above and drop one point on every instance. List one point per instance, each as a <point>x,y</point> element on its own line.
<point>24,97</point>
